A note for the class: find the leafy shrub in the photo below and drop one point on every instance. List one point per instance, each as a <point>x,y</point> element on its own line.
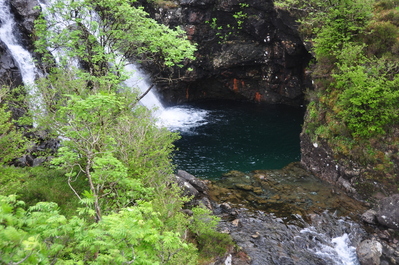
<point>382,38</point>
<point>40,235</point>
<point>386,4</point>
<point>391,16</point>
<point>369,98</point>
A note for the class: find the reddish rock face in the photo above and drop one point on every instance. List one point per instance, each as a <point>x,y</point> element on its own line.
<point>246,51</point>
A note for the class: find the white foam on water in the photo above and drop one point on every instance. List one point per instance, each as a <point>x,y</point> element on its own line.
<point>337,250</point>
<point>346,252</point>
<point>182,118</point>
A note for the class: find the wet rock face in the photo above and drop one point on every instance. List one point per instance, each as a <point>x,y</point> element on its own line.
<point>319,159</point>
<point>348,174</point>
<point>26,12</point>
<point>246,51</point>
<point>9,71</point>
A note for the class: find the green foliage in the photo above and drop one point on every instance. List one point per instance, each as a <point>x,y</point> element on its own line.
<point>369,97</point>
<point>211,243</point>
<point>41,235</point>
<point>386,4</point>
<point>340,24</point>
<point>117,161</point>
<point>382,38</point>
<point>354,105</point>
<point>240,16</point>
<point>11,179</point>
<point>118,31</point>
<point>118,149</point>
<point>12,141</point>
<point>226,31</point>
<point>213,24</point>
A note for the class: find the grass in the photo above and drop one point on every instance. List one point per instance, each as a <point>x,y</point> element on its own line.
<point>41,183</point>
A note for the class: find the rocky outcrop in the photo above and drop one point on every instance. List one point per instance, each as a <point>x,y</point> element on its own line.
<point>25,12</point>
<point>318,158</point>
<point>246,51</point>
<point>193,188</point>
<point>383,246</point>
<point>357,177</point>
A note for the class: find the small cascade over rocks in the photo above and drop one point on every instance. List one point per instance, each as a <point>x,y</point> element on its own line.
<point>139,79</point>
<point>268,239</point>
<point>288,217</point>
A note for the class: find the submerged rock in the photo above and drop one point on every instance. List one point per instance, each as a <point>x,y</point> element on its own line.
<point>291,190</point>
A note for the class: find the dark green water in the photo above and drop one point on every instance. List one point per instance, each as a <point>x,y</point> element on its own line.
<point>240,136</point>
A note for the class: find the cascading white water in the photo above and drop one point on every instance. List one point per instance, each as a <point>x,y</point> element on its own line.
<point>140,80</point>
<point>178,118</point>
<point>337,250</point>
<point>174,118</point>
<point>21,56</point>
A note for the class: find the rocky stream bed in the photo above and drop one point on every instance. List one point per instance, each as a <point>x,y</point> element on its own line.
<point>288,216</point>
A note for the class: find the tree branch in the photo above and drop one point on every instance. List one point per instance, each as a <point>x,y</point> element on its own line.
<point>145,93</point>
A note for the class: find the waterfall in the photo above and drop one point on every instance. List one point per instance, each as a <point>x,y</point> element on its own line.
<point>21,56</point>
<point>140,80</point>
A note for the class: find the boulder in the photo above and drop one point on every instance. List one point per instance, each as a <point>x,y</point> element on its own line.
<point>369,252</point>
<point>188,189</point>
<point>196,183</point>
<point>369,216</point>
<point>194,188</point>
<point>388,212</point>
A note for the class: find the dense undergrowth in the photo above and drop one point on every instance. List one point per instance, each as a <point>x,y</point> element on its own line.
<point>107,195</point>
<point>354,105</point>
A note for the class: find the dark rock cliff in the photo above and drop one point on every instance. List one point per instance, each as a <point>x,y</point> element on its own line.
<point>246,51</point>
